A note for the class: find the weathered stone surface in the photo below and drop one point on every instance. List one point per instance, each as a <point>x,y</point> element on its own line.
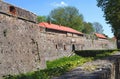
<point>11,10</point>
<point>25,47</point>
<point>107,68</point>
<point>19,46</point>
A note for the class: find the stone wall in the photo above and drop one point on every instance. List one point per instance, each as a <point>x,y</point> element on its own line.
<point>11,10</point>
<point>59,44</point>
<point>20,45</point>
<point>25,47</point>
<point>109,68</point>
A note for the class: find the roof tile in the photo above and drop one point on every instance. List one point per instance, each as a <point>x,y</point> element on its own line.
<point>100,36</point>
<point>58,27</point>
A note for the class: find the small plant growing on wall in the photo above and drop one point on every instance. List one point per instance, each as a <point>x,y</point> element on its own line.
<point>5,32</point>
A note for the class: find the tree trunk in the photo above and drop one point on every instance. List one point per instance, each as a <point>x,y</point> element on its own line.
<point>118,43</point>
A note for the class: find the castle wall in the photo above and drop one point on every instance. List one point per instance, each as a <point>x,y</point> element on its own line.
<point>11,10</point>
<point>59,44</point>
<point>25,47</point>
<point>20,45</point>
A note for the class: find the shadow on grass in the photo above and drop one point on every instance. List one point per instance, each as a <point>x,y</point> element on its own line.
<point>96,54</point>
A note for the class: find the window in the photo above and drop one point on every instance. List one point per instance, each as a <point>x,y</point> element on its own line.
<point>73,48</point>
<point>56,46</point>
<point>64,47</point>
<point>12,10</point>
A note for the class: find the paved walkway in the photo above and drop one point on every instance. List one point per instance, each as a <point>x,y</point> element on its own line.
<point>80,73</point>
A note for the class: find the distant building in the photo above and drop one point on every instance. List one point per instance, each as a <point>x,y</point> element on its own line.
<point>100,36</point>
<point>59,28</point>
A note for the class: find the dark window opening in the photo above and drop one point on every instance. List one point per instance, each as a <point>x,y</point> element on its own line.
<point>56,46</point>
<point>73,48</point>
<point>64,47</point>
<point>12,10</point>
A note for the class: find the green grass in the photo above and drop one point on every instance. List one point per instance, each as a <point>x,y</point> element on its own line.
<point>59,66</point>
<point>73,60</point>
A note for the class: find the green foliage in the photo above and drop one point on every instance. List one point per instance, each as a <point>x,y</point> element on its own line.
<point>41,19</point>
<point>88,28</point>
<point>67,16</point>
<point>98,27</point>
<point>55,68</point>
<point>62,65</point>
<point>42,74</point>
<point>112,15</point>
<point>73,61</point>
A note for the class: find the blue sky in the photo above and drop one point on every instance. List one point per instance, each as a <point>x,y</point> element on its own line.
<point>87,8</point>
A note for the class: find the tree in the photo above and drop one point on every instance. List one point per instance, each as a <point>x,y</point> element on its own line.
<point>67,16</point>
<point>41,19</point>
<point>88,28</point>
<point>98,27</point>
<point>111,10</point>
<point>106,35</point>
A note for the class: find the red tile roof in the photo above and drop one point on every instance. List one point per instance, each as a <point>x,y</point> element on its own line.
<point>113,38</point>
<point>100,36</point>
<point>58,27</point>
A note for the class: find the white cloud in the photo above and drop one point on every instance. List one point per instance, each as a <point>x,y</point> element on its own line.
<point>59,4</point>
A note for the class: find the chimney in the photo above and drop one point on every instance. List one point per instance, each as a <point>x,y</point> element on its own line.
<point>49,22</point>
